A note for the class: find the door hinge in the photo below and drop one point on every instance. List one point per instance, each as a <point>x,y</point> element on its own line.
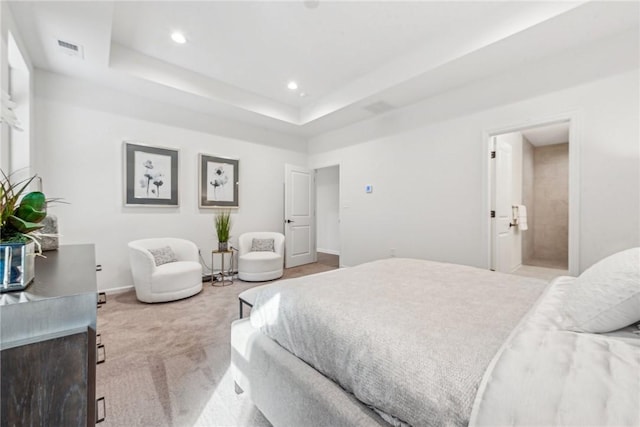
<point>493,154</point>
<point>493,214</point>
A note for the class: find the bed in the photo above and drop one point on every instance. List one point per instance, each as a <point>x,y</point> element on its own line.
<point>413,342</point>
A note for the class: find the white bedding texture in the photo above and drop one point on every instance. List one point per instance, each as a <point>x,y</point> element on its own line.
<point>425,343</point>
<point>545,375</point>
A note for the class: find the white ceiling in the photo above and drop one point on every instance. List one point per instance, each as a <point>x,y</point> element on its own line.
<point>353,59</point>
<point>557,133</point>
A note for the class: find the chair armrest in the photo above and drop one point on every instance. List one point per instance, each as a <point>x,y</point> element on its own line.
<point>279,245</point>
<point>143,265</point>
<point>185,250</point>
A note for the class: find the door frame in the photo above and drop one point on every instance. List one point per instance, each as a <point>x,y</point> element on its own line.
<point>575,139</point>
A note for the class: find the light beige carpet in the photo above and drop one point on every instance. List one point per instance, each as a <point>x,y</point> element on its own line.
<point>168,364</point>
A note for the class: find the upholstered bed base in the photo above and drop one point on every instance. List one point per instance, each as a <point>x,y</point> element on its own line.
<point>288,391</point>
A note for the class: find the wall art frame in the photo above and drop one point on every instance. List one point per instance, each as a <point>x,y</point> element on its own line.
<point>150,175</point>
<point>218,181</point>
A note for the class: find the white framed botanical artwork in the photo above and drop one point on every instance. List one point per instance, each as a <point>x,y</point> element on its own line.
<point>218,181</point>
<point>151,175</point>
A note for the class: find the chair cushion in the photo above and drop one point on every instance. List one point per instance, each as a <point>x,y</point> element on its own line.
<point>259,262</point>
<point>174,276</point>
<point>257,256</point>
<point>163,255</point>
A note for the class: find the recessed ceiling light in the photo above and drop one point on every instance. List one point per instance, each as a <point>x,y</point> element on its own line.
<point>178,37</point>
<point>292,85</point>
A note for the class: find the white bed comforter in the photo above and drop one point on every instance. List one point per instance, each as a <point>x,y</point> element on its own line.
<point>410,338</point>
<point>544,376</point>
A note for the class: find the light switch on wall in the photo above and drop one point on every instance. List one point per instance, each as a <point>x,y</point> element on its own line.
<point>368,188</point>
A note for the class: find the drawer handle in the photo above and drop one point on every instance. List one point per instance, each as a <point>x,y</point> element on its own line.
<point>102,298</point>
<point>99,339</point>
<point>102,350</point>
<point>100,419</point>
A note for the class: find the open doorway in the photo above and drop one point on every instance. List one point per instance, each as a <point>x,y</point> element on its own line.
<point>328,215</point>
<point>546,189</point>
<point>530,201</point>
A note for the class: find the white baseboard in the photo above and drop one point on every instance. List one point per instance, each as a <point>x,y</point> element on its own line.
<point>112,291</point>
<point>328,251</point>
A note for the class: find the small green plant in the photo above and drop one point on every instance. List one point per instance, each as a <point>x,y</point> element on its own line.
<point>223,225</point>
<point>20,216</point>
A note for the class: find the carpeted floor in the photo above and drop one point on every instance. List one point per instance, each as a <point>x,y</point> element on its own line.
<point>167,364</point>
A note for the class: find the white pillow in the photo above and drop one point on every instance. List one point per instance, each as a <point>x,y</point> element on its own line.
<point>163,255</point>
<point>263,245</point>
<point>606,296</point>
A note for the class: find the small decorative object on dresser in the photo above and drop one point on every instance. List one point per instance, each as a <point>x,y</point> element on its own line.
<point>49,240</point>
<point>20,217</point>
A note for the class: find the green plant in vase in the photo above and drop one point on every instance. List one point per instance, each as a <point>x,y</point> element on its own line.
<point>223,228</point>
<point>20,216</point>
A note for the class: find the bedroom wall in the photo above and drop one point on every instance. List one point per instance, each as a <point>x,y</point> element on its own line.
<point>79,154</point>
<point>427,165</point>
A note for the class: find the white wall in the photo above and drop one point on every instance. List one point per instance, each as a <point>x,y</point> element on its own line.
<point>328,210</point>
<point>430,178</point>
<point>79,155</point>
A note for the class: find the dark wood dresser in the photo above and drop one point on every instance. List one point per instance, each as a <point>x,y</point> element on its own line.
<point>48,343</point>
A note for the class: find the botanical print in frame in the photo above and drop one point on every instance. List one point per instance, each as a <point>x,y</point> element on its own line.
<point>219,178</point>
<point>151,175</point>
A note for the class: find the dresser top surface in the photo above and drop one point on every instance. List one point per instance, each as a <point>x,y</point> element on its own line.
<point>70,270</point>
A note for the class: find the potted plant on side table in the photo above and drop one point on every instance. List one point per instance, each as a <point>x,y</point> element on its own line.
<point>223,228</point>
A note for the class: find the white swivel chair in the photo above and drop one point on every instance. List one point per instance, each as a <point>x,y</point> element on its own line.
<point>267,263</point>
<point>177,275</point>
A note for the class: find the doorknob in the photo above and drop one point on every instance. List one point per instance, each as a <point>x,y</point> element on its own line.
<point>288,221</point>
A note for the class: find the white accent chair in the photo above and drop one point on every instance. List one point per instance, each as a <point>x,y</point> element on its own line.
<point>262,265</point>
<point>166,282</point>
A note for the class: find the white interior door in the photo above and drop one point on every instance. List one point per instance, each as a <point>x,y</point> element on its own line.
<point>299,211</point>
<point>506,247</point>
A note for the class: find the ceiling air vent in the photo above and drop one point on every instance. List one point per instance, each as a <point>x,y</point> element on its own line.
<point>379,107</point>
<point>70,48</point>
